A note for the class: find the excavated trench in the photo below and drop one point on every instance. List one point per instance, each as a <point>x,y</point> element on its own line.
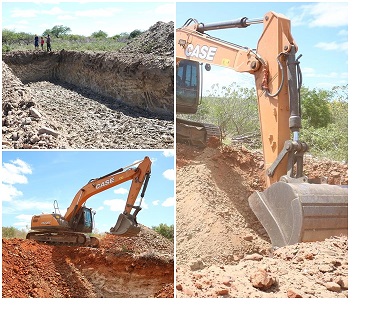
<point>71,99</point>
<point>141,267</point>
<point>137,82</point>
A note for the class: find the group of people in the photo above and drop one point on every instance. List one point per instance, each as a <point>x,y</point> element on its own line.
<point>48,42</point>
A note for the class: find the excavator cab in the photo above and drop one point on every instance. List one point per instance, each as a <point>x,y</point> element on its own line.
<point>188,98</point>
<point>188,93</point>
<point>86,220</point>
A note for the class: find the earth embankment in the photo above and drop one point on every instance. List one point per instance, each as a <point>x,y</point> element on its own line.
<point>132,267</point>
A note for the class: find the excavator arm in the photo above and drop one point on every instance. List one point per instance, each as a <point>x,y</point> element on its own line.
<point>291,209</point>
<point>267,64</point>
<point>138,176</point>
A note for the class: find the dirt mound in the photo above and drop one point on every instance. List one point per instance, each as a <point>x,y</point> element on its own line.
<point>157,40</point>
<point>222,249</point>
<point>139,266</point>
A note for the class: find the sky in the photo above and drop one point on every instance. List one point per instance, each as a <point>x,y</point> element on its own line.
<point>84,18</point>
<point>32,180</point>
<point>320,30</point>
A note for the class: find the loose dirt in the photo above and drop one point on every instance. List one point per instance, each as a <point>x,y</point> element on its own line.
<point>134,267</point>
<point>222,249</point>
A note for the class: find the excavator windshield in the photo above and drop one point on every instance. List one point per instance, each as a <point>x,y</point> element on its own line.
<point>187,87</point>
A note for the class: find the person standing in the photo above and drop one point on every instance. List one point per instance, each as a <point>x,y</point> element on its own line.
<point>35,41</point>
<point>42,42</point>
<point>48,42</point>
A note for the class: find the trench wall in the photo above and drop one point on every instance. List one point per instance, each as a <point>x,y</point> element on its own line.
<point>134,80</point>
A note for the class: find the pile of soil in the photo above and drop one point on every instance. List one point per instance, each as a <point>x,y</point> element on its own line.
<point>147,43</point>
<point>91,100</point>
<point>140,266</point>
<point>223,250</point>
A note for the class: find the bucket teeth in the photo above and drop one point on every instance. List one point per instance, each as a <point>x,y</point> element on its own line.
<point>125,226</point>
<point>301,212</point>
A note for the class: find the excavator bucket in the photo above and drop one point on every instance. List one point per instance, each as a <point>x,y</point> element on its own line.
<point>301,212</point>
<point>125,226</point>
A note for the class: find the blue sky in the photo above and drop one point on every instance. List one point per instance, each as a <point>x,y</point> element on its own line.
<point>83,17</point>
<point>320,30</point>
<point>32,180</point>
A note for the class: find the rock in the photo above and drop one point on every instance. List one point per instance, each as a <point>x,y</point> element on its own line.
<point>253,257</point>
<point>262,279</point>
<point>222,292</point>
<point>48,131</point>
<point>333,286</point>
<point>326,268</point>
<point>293,293</point>
<point>35,113</point>
<point>197,265</point>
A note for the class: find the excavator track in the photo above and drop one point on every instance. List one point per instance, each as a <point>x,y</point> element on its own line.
<point>64,238</point>
<point>196,133</point>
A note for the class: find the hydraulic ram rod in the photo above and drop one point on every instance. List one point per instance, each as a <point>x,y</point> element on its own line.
<point>240,23</point>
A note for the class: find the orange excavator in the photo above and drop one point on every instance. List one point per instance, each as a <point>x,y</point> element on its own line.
<point>291,209</point>
<point>75,226</point>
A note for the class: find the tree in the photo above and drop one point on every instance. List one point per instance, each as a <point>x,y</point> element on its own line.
<point>165,230</point>
<point>11,232</point>
<point>99,35</point>
<point>57,31</point>
<point>233,109</point>
<point>316,107</point>
<point>134,34</point>
<point>121,36</point>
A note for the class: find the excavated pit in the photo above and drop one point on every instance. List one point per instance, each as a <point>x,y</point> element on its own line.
<point>136,82</point>
<point>139,267</point>
<point>72,99</point>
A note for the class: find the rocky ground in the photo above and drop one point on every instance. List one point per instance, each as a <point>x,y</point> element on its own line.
<point>132,267</point>
<point>222,249</point>
<point>48,114</point>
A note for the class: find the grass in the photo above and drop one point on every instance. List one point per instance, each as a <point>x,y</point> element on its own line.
<point>77,45</point>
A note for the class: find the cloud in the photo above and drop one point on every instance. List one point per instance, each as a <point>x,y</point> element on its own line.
<point>169,174</point>
<point>105,12</point>
<point>311,73</point>
<point>168,152</point>
<point>15,13</point>
<point>329,14</point>
<point>166,9</point>
<point>169,202</point>
<point>333,46</point>
<point>9,192</point>
<point>225,77</point>
<point>121,191</point>
<point>118,205</point>
<point>155,202</point>
<point>36,206</point>
<point>24,221</point>
<point>12,173</point>
<point>30,13</point>
<point>322,14</point>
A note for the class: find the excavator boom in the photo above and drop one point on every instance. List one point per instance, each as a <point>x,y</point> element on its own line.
<point>291,209</point>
